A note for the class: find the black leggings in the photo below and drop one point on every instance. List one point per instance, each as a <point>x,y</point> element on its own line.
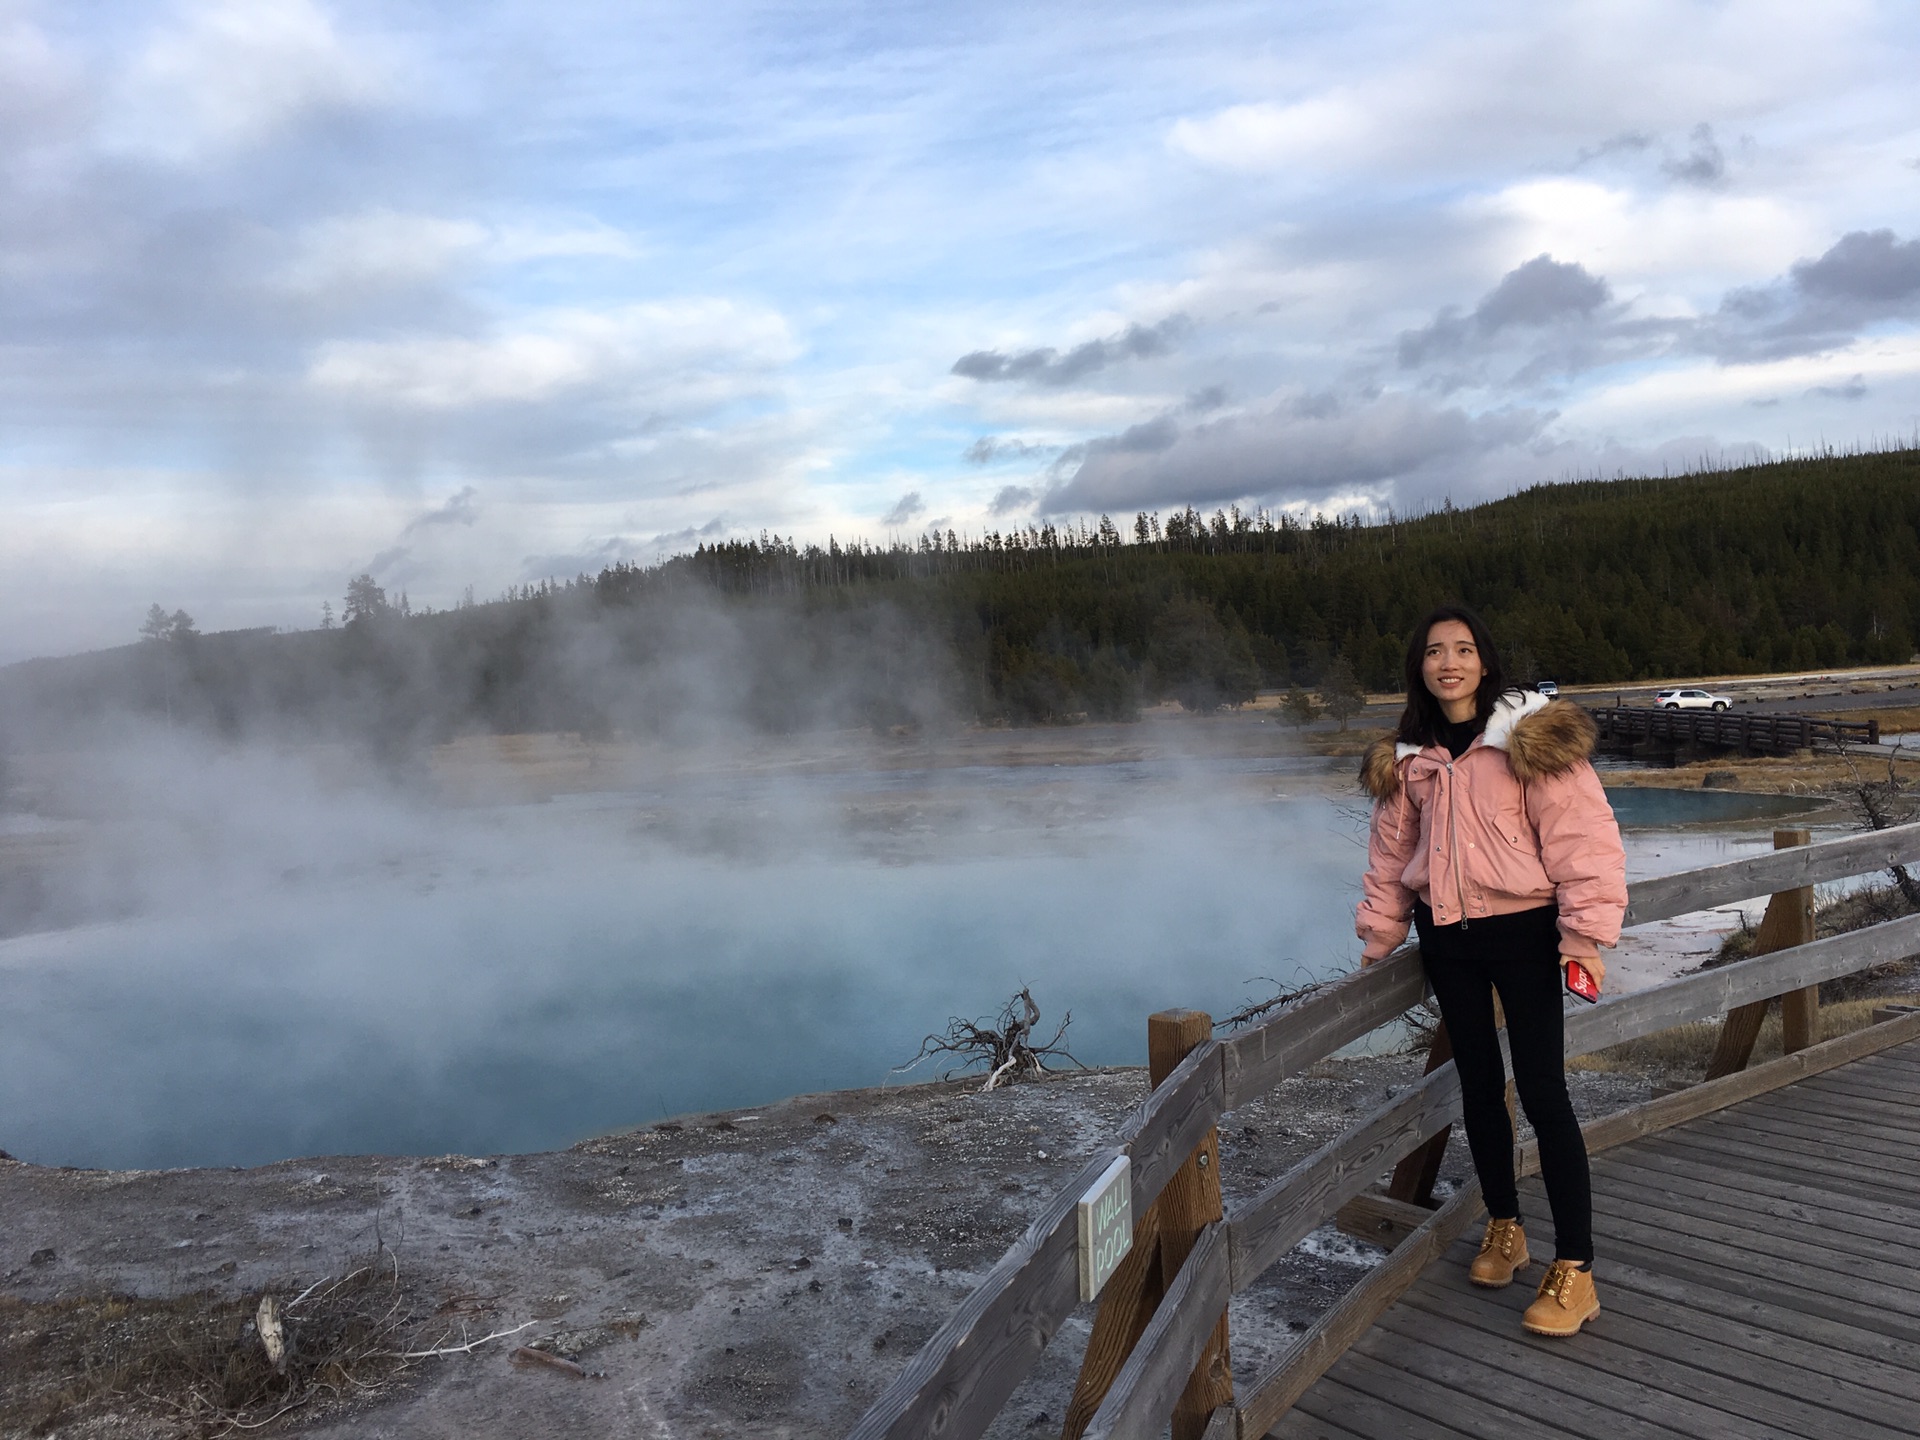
<point>1518,955</point>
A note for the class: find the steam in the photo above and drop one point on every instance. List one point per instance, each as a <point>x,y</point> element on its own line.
<point>240,951</point>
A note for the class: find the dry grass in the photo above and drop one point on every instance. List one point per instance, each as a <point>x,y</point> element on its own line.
<point>194,1364</point>
<point>1684,1050</point>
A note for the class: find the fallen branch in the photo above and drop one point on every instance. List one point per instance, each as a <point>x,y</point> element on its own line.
<point>466,1349</point>
<point>527,1355</point>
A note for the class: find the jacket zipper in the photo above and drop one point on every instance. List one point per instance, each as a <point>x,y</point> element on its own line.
<point>1453,843</point>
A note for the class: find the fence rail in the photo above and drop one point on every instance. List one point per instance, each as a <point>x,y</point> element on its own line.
<point>1749,734</point>
<point>961,1377</point>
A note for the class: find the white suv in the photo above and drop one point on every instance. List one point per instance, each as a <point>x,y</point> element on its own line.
<point>1690,700</point>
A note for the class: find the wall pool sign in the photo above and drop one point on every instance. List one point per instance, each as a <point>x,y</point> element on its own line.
<point>1106,1226</point>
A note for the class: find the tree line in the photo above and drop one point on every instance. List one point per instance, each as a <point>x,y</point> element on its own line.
<point>1791,565</point>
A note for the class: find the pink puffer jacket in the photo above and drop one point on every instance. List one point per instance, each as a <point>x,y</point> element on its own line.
<point>1516,822</point>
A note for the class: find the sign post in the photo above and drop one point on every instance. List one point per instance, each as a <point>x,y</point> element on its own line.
<point>1105,1213</point>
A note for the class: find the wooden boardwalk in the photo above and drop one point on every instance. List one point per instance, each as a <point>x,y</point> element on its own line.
<point>1759,1275</point>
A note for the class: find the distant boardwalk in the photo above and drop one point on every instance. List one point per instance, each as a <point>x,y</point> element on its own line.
<point>1762,1277</point>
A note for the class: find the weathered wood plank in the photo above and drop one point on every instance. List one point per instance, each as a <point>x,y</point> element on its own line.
<point>1532,1376</point>
<point>1846,1140</point>
<point>1713,992</point>
<point>960,1378</point>
<point>1737,1157</point>
<point>1839,1383</point>
<point>1363,1414</point>
<point>1664,896</point>
<point>1619,1378</point>
<point>1314,1027</point>
<point>1440,1339</point>
<point>1283,1213</point>
<point>1439,1404</point>
<point>1625,1167</point>
<point>1800,1287</point>
<point>1653,1158</point>
<point>1836,1150</point>
<point>1768,1239</point>
<point>1792,1238</point>
<point>1143,1394</point>
<point>1308,1358</point>
<point>1898,1121</point>
<point>1165,1128</point>
<point>1380,1219</point>
<point>1889,1361</point>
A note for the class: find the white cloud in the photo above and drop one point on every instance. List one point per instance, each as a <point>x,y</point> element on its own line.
<point>679,354</point>
<point>229,74</point>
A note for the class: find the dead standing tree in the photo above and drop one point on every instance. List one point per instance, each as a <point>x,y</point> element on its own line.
<point>1007,1046</point>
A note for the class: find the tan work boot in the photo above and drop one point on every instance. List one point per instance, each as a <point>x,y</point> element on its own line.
<point>1502,1252</point>
<point>1566,1301</point>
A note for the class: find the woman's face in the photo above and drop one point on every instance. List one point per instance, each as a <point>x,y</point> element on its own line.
<point>1451,669</point>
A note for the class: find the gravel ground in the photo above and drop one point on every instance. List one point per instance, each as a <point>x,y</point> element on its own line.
<point>761,1272</point>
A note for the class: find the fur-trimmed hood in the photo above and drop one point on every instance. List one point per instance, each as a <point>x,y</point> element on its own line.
<point>1541,737</point>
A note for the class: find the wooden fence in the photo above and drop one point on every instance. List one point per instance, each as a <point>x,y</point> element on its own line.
<point>1749,734</point>
<point>956,1384</point>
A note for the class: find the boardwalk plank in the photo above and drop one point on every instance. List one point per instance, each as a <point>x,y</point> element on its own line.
<point>1762,1132</point>
<point>1892,1357</point>
<point>1624,1383</point>
<point>1676,1255</point>
<point>1851,1147</point>
<point>1851,1092</point>
<point>1817,1124</point>
<point>1711,1196</point>
<point>1297,1424</point>
<point>1763,1235</point>
<point>1734,1155</point>
<point>1831,1378</point>
<point>1495,1360</point>
<point>1365,1413</point>
<point>1438,1402</point>
<point>1661,1153</point>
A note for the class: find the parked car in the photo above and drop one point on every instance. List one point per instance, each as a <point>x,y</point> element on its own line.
<point>1547,687</point>
<point>1691,700</point>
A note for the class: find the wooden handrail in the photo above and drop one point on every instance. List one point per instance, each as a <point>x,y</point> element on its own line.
<point>1144,1392</point>
<point>1317,1024</point>
<point>957,1382</point>
<point>960,1378</point>
<point>1295,1205</point>
<point>1664,896</point>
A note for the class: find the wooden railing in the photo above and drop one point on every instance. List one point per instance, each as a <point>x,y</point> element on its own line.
<point>1750,734</point>
<point>956,1384</point>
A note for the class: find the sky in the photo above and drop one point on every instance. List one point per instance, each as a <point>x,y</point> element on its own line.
<point>475,295</point>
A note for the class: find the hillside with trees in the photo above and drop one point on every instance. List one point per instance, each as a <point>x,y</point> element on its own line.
<point>1791,565</point>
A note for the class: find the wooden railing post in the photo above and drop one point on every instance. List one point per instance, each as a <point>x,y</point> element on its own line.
<point>1788,922</point>
<point>1162,1240</point>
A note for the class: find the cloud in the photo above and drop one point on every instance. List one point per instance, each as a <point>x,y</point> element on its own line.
<point>689,352</point>
<point>908,506</point>
<point>1009,498</point>
<point>461,508</point>
<point>1864,278</point>
<point>1305,447</point>
<point>993,449</point>
<point>1541,292</point>
<point>1049,367</point>
<point>1853,389</point>
<point>232,73</point>
<point>1705,164</point>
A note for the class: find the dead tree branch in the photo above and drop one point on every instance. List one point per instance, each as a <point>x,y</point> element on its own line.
<point>1007,1047</point>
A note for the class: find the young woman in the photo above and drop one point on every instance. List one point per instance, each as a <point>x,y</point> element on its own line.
<point>1492,834</point>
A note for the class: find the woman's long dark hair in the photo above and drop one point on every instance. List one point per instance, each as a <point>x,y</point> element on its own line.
<point>1420,722</point>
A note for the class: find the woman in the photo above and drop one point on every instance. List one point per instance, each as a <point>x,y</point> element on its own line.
<point>1490,830</point>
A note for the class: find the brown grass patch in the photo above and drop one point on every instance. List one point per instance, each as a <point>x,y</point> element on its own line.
<point>195,1363</point>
